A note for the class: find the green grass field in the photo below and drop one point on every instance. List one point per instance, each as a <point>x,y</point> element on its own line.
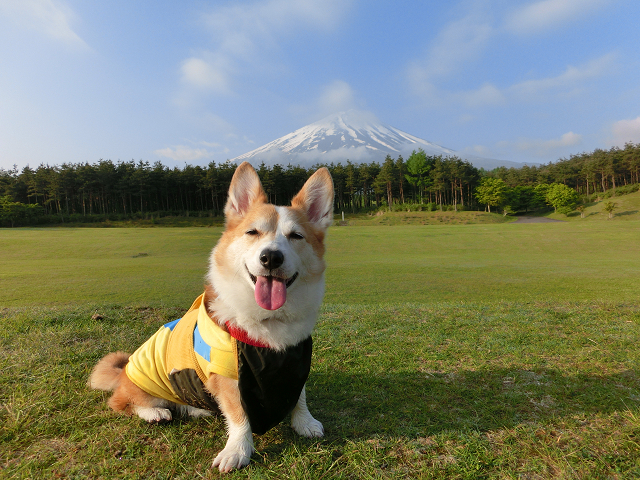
<point>574,261</point>
<point>442,351</point>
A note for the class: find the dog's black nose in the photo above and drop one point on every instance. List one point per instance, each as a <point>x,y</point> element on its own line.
<point>271,259</point>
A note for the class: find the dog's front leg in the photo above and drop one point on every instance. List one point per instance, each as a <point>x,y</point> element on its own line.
<point>302,421</point>
<point>237,452</point>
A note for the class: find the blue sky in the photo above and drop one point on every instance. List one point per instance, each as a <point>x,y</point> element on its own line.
<point>195,81</point>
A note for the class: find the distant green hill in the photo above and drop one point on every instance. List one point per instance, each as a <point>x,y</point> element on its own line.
<point>628,208</point>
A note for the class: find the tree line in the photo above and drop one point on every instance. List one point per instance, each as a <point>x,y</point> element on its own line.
<point>565,185</point>
<point>124,189</point>
<point>587,173</point>
<point>129,188</point>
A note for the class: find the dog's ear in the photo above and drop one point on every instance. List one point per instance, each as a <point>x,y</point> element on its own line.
<point>244,191</point>
<point>316,199</point>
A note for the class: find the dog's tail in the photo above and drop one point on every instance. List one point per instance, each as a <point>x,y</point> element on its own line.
<point>106,374</point>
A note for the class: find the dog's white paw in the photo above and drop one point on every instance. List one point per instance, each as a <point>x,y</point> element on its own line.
<point>153,414</point>
<point>307,426</point>
<point>196,412</point>
<point>231,458</point>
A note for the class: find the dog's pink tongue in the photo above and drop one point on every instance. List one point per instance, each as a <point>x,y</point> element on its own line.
<point>271,292</point>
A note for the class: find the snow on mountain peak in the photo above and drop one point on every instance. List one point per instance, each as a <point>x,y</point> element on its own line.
<point>352,135</point>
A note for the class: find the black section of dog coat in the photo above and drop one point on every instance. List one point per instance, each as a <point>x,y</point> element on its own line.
<point>190,389</point>
<point>270,382</point>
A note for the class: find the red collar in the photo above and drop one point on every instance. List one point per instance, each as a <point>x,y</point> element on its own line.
<point>241,335</point>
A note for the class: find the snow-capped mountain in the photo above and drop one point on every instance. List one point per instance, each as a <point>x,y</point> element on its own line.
<point>354,135</point>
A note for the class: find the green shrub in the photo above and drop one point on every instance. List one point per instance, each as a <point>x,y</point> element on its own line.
<point>623,190</point>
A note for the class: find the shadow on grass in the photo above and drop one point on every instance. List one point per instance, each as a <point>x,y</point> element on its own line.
<point>423,404</point>
<point>356,407</point>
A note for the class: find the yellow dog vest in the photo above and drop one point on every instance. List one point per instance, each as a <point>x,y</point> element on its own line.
<point>175,363</point>
<point>194,342</point>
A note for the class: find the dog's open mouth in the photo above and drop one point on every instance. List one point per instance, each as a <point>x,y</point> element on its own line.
<point>271,292</point>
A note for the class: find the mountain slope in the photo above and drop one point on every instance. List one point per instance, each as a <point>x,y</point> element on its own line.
<point>353,135</point>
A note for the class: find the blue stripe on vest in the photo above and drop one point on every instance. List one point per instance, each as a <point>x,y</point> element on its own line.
<point>200,346</point>
<point>171,325</point>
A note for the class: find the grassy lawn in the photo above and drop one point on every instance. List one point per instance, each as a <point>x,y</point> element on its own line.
<point>423,218</point>
<point>574,261</point>
<point>484,263</point>
<point>445,351</point>
<point>126,265</point>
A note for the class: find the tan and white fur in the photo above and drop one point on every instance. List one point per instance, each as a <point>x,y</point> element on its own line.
<point>268,255</point>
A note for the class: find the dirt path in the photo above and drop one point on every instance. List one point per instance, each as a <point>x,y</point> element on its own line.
<point>535,220</point>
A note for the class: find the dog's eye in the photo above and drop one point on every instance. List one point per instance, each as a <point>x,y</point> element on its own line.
<point>295,236</point>
<point>252,232</point>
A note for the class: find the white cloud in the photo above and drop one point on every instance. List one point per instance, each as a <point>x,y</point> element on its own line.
<point>198,150</point>
<point>457,44</point>
<point>478,150</point>
<point>624,131</point>
<point>336,97</point>
<point>530,149</point>
<point>206,75</point>
<point>53,18</point>
<point>422,87</point>
<point>183,153</point>
<point>210,144</point>
<point>465,41</point>
<point>544,148</point>
<point>546,14</point>
<point>573,80</point>
<point>486,95</point>
<point>242,29</point>
<point>570,79</point>
<point>245,37</point>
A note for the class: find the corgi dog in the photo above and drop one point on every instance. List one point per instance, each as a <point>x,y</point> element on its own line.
<point>244,347</point>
